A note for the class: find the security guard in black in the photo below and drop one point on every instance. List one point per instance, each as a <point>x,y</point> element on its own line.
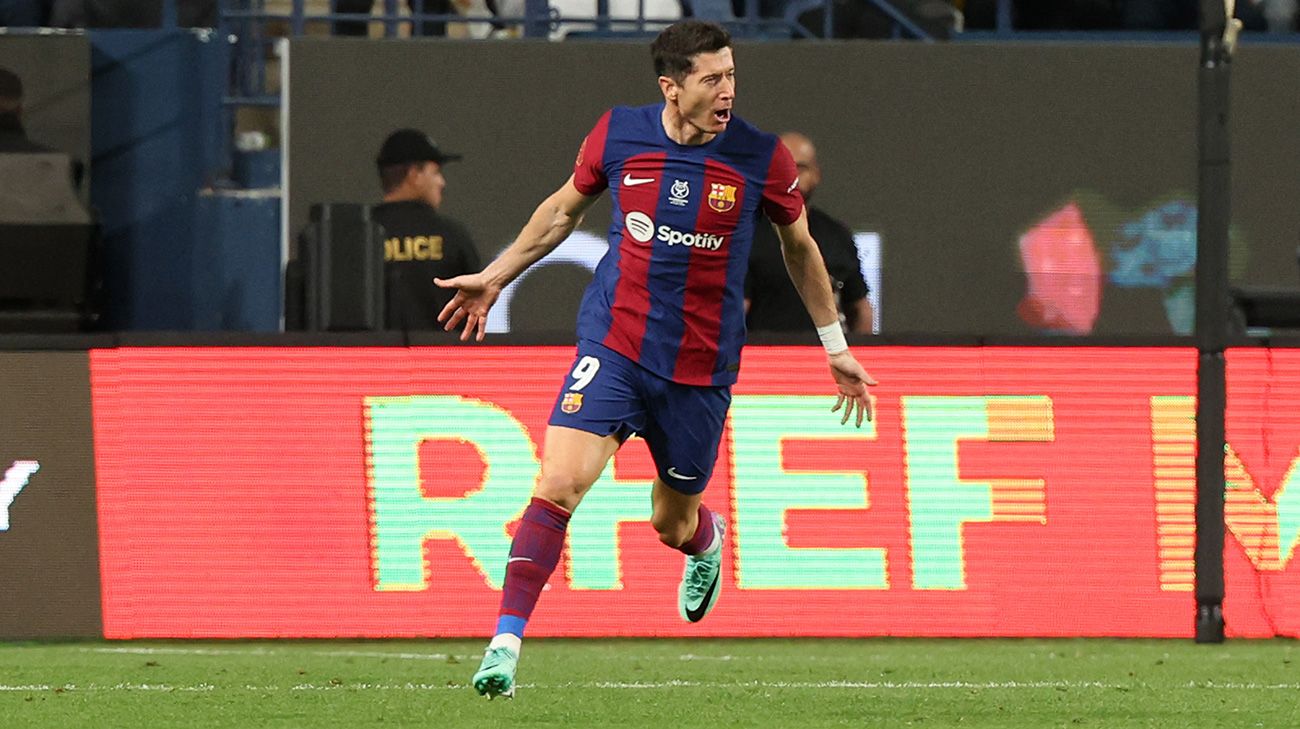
<point>419,243</point>
<point>771,301</point>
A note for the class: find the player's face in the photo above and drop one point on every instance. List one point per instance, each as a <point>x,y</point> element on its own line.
<point>706,95</point>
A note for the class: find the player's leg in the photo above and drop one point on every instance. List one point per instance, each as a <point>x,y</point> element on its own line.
<point>592,416</point>
<point>681,519</point>
<point>683,433</point>
<point>572,461</point>
<point>687,525</point>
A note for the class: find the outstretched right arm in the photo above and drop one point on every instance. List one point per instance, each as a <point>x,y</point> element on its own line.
<point>548,226</point>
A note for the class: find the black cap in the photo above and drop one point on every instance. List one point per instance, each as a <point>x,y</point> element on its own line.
<point>406,146</point>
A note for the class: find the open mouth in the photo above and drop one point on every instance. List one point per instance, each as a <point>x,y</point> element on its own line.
<point>722,116</point>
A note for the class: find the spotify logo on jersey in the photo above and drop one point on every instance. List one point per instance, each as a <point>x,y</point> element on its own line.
<point>639,226</point>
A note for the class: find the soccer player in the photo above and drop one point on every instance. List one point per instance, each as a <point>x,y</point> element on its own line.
<point>662,323</point>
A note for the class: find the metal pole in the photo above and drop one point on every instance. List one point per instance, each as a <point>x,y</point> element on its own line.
<point>1213,308</point>
<point>602,14</point>
<point>537,18</point>
<point>1004,17</point>
<point>390,18</point>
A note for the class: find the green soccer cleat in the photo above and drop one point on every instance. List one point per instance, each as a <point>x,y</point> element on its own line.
<point>496,674</point>
<point>702,580</point>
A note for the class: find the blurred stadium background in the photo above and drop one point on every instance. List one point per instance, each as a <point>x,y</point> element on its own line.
<point>188,456</point>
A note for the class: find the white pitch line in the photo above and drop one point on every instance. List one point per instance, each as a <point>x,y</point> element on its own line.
<point>142,651</point>
<point>182,651</point>
<point>652,685</point>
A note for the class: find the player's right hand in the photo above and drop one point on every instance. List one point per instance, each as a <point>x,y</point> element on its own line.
<point>474,297</point>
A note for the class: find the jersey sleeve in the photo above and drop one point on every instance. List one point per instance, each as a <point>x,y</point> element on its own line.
<point>589,168</point>
<point>782,200</point>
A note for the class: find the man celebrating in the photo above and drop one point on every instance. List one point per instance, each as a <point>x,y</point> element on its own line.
<point>662,323</point>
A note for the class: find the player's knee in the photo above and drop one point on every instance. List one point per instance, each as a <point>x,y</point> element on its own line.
<point>672,531</point>
<point>562,489</point>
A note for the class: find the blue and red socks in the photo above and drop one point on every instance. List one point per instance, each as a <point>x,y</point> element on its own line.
<point>706,537</point>
<point>533,556</point>
<point>535,552</point>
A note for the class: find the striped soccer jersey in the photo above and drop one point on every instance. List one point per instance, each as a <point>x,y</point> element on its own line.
<point>669,294</point>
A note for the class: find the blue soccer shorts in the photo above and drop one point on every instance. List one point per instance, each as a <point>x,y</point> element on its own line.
<point>607,394</point>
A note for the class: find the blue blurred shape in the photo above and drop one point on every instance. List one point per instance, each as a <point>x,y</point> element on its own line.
<point>1157,248</point>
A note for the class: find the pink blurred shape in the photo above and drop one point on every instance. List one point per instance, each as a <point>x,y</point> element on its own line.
<point>1064,274</point>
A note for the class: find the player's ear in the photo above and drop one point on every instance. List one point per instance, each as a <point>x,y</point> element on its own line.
<point>669,88</point>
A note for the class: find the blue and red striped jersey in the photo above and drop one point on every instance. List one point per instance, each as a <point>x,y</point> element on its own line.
<point>669,294</point>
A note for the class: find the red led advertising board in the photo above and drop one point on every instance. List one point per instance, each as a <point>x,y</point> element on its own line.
<point>338,492</point>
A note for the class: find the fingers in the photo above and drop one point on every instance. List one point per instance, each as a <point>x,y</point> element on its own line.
<point>471,323</point>
<point>864,404</point>
<point>456,318</point>
<point>868,379</point>
<point>448,309</point>
<point>448,283</point>
<point>475,325</point>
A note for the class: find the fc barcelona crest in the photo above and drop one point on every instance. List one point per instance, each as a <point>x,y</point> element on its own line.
<point>571,403</point>
<point>722,197</point>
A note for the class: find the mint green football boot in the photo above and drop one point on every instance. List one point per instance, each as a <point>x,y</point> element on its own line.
<point>702,580</point>
<point>496,674</point>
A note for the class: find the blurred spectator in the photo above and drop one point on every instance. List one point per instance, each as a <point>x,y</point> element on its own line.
<point>663,10</point>
<point>1281,15</point>
<point>13,137</point>
<point>856,19</point>
<point>130,13</point>
<point>24,13</point>
<point>771,301</point>
<point>419,243</point>
<point>1071,14</point>
<point>362,28</point>
<point>1184,14</point>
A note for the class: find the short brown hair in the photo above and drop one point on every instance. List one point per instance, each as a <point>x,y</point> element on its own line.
<point>675,49</point>
<point>391,177</point>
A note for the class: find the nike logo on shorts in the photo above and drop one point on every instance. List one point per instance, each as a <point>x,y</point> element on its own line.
<point>630,181</point>
<point>673,472</point>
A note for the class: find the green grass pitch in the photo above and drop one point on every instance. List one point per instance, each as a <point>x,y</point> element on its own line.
<point>658,684</point>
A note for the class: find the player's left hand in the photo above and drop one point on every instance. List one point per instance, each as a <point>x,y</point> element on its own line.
<point>853,382</point>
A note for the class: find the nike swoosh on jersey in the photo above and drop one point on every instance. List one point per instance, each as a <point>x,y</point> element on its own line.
<point>673,472</point>
<point>630,181</point>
